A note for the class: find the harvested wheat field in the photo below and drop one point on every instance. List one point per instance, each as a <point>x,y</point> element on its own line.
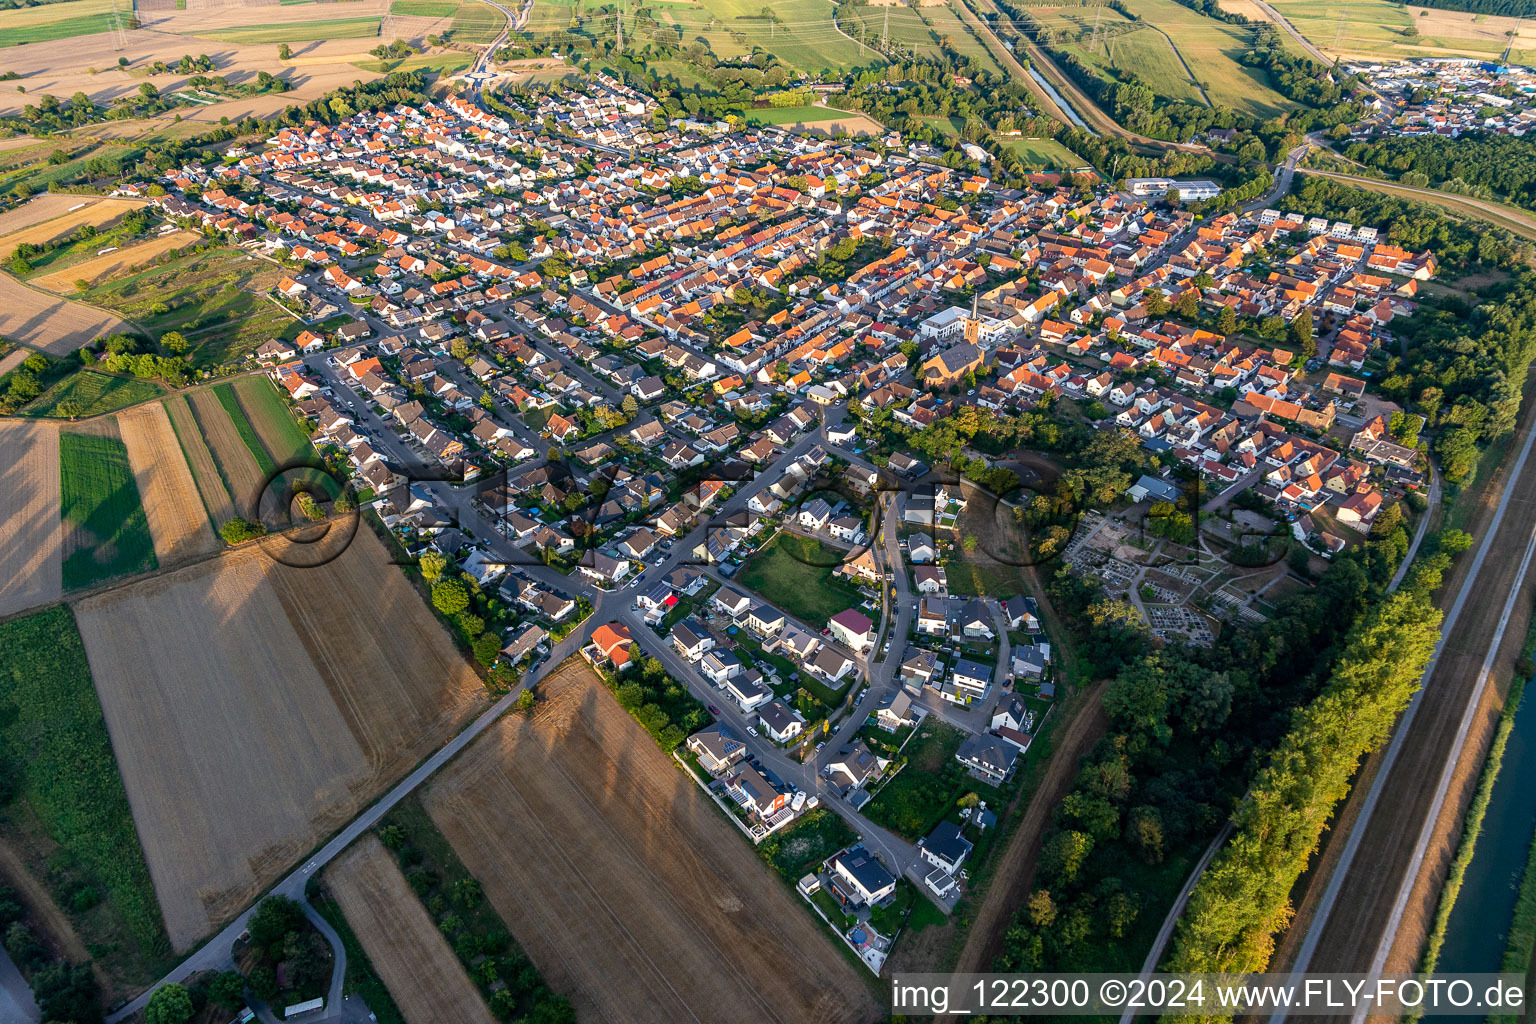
<point>177,520</point>
<point>410,955</point>
<point>205,472</point>
<point>98,268</point>
<point>61,221</point>
<point>239,750</point>
<point>620,880</point>
<point>31,532</point>
<point>57,326</point>
<point>237,466</point>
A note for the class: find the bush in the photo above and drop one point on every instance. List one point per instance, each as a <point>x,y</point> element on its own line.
<point>487,647</point>
<point>238,531</point>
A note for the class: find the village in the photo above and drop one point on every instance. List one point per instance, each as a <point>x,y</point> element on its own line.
<point>654,387</point>
<point>1447,96</point>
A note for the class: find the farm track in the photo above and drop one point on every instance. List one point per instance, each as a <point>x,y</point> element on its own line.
<point>205,472</point>
<point>1355,925</point>
<point>628,891</point>
<point>177,520</point>
<point>426,979</point>
<point>31,531</point>
<point>1016,868</point>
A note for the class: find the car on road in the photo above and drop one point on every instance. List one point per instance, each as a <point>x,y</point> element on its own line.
<point>751,730</point>
<point>714,711</point>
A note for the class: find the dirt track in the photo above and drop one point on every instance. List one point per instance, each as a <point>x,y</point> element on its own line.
<point>1016,865</point>
<point>231,776</point>
<point>1350,937</point>
<point>177,521</point>
<point>31,533</point>
<point>411,956</point>
<point>622,882</point>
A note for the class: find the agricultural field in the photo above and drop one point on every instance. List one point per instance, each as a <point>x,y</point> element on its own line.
<point>1176,51</point>
<point>296,31</point>
<point>424,8</point>
<point>425,978</point>
<point>795,574</point>
<point>49,22</point>
<point>31,532</point>
<point>178,523</point>
<point>1376,28</point>
<point>442,63</point>
<point>49,218</point>
<point>91,393</point>
<point>372,683</point>
<point>476,23</point>
<point>46,322</point>
<point>97,269</point>
<point>825,119</point>
<point>216,298</point>
<point>626,888</point>
<point>279,432</point>
<point>107,533</point>
<point>67,819</point>
<point>243,478</point>
<point>921,30</point>
<point>205,472</point>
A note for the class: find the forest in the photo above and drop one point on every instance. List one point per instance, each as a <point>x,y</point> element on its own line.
<point>1479,164</point>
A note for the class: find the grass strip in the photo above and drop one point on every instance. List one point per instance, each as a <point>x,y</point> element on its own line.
<point>55,751</point>
<point>231,404</point>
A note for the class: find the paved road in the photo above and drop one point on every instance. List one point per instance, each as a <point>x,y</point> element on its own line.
<point>16,1003</point>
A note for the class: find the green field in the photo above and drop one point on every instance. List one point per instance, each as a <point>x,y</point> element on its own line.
<point>424,8</point>
<point>795,574</point>
<point>1212,50</point>
<point>97,495</point>
<point>264,410</point>
<point>47,22</point>
<point>442,63</point>
<point>1044,154</point>
<point>476,23</point>
<point>298,31</point>
<point>65,798</point>
<point>66,28</point>
<point>231,404</point>
<point>216,298</point>
<point>921,30</point>
<point>803,36</point>
<point>93,393</point>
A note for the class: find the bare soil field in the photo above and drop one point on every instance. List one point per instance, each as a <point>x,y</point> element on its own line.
<point>1359,916</point>
<point>1488,28</point>
<point>177,520</point>
<point>412,958</point>
<point>31,532</point>
<point>55,220</point>
<point>99,267</point>
<point>56,326</point>
<point>200,460</point>
<point>620,880</point>
<point>240,472</point>
<point>261,772</point>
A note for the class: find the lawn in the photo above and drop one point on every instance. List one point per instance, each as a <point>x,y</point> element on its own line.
<point>97,494</point>
<point>62,780</point>
<point>924,791</point>
<point>92,393</point>
<point>298,31</point>
<point>795,115</point>
<point>1045,154</point>
<point>216,298</point>
<point>795,574</point>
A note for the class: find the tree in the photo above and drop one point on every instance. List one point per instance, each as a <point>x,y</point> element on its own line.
<point>1300,335</point>
<point>525,702</point>
<point>275,917</point>
<point>970,543</point>
<point>284,51</point>
<point>67,992</point>
<point>1455,541</point>
<point>238,531</point>
<point>1226,320</point>
<point>630,407</point>
<point>175,343</point>
<point>170,1004</point>
<point>1157,304</point>
<point>432,565</point>
<point>228,990</point>
<point>487,648</point>
<point>392,836</point>
<point>450,597</point>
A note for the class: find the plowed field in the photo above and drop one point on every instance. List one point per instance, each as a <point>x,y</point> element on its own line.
<point>31,532</point>
<point>401,939</point>
<point>177,520</point>
<point>621,881</point>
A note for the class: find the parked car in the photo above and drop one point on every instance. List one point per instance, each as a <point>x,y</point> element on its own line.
<point>751,730</point>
